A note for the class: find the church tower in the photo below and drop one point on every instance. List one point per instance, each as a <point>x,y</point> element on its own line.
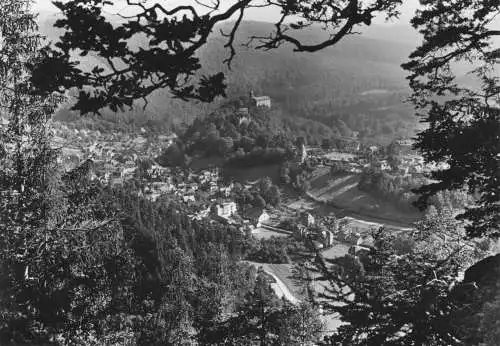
<point>303,154</point>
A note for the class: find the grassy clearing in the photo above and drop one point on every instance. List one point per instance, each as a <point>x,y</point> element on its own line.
<point>342,190</point>
<point>264,233</point>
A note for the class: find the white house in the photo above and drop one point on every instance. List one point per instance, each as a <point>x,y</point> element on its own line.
<point>257,216</point>
<point>260,101</point>
<point>307,219</point>
<point>226,209</point>
<point>263,217</point>
<point>188,198</point>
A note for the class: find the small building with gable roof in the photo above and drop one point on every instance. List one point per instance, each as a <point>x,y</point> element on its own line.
<point>260,101</point>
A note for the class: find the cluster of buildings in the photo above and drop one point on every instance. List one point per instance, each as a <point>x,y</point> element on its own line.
<point>114,159</point>
<point>322,234</point>
<point>185,184</point>
<point>227,211</point>
<point>350,162</point>
<point>409,163</point>
<point>307,228</point>
<point>206,193</point>
<point>414,164</point>
<point>115,152</point>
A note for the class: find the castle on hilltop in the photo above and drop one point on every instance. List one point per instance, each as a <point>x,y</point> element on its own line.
<point>260,101</point>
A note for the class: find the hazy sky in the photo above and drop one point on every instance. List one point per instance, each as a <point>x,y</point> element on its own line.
<point>262,14</point>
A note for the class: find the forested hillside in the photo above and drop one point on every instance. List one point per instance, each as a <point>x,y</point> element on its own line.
<point>356,86</point>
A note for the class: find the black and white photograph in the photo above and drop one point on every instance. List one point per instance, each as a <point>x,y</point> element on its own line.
<point>250,172</point>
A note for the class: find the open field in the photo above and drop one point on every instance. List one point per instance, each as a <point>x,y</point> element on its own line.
<point>336,251</point>
<point>343,193</point>
<point>265,233</point>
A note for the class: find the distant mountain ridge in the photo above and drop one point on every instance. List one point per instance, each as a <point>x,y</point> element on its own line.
<point>310,85</point>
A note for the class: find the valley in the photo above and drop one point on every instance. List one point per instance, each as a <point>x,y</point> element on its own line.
<point>249,172</point>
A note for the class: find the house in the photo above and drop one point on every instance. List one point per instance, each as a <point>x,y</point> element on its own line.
<point>225,210</point>
<point>300,231</point>
<point>213,187</point>
<point>260,101</point>
<point>242,110</point>
<point>225,191</point>
<point>327,238</point>
<point>307,219</point>
<point>359,251</point>
<point>192,186</point>
<point>181,186</point>
<point>168,140</point>
<point>244,121</point>
<point>202,214</point>
<point>383,165</point>
<point>188,198</point>
<point>316,244</point>
<point>257,216</point>
<point>162,187</point>
<point>171,139</point>
<point>405,142</point>
<point>264,217</point>
<point>365,240</point>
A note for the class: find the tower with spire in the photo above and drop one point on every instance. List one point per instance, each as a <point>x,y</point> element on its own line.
<point>303,154</point>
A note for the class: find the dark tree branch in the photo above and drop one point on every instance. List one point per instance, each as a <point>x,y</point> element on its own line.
<point>456,112</point>
<point>174,36</point>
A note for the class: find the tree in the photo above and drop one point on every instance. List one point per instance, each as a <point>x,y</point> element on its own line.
<point>172,156</point>
<point>490,321</point>
<point>299,325</point>
<point>174,36</point>
<point>143,165</point>
<point>271,321</point>
<point>274,196</point>
<point>226,145</point>
<point>462,114</point>
<point>401,290</point>
<point>257,317</point>
<point>259,202</point>
<point>61,259</point>
<point>394,161</point>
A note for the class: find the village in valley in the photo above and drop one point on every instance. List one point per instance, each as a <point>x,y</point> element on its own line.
<point>249,172</point>
<point>209,193</point>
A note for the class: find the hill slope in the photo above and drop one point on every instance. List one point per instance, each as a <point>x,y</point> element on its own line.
<point>357,85</point>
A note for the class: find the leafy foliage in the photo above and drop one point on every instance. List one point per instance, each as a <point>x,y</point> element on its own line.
<point>263,193</point>
<point>462,113</point>
<point>244,139</point>
<point>394,187</point>
<point>401,290</point>
<point>174,35</point>
<point>266,320</point>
